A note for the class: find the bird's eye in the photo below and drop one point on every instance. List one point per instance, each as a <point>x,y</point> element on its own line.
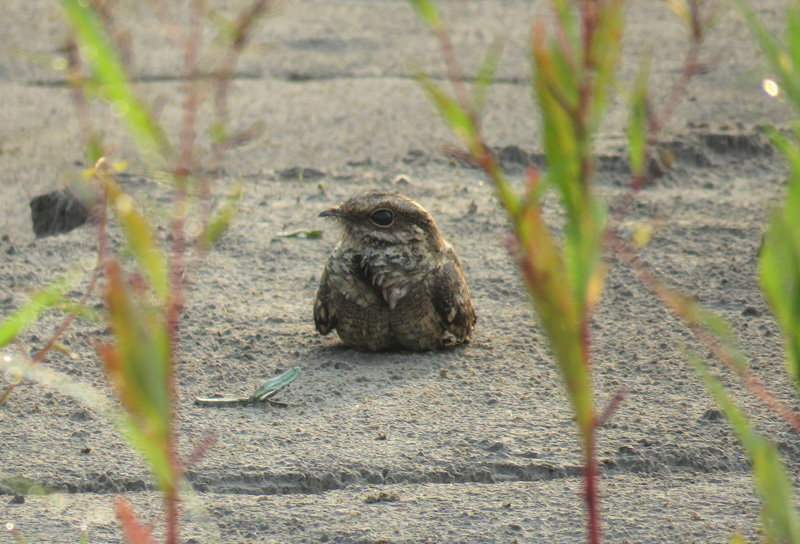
<point>382,218</point>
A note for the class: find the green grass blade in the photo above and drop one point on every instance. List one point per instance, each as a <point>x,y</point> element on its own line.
<point>138,364</point>
<point>429,13</point>
<point>112,80</point>
<point>222,217</point>
<point>84,393</point>
<point>48,297</point>
<point>561,143</point>
<point>606,47</point>
<point>480,90</point>
<point>638,127</point>
<point>142,241</point>
<point>780,522</point>
<point>456,117</point>
<point>777,54</point>
<point>82,311</point>
<point>723,331</point>
<point>779,265</point>
<point>270,387</point>
<point>66,385</point>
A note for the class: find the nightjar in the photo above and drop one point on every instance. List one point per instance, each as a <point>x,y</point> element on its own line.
<point>392,282</point>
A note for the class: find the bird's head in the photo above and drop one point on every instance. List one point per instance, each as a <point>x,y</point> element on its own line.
<point>385,219</point>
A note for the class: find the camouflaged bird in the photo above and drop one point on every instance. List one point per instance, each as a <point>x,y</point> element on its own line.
<point>392,283</point>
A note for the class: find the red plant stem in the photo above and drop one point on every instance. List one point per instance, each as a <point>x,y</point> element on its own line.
<point>223,74</point>
<point>657,122</point>
<point>191,101</point>
<point>184,168</point>
<point>168,22</point>
<point>589,13</point>
<point>485,160</point>
<point>100,213</point>
<point>611,407</point>
<point>173,313</point>
<point>171,501</point>
<point>75,79</point>
<point>687,313</point>
<point>100,210</point>
<point>200,449</point>
<point>591,490</point>
<point>455,76</point>
<point>590,475</point>
<point>690,67</point>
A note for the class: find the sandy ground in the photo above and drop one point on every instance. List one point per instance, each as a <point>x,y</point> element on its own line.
<point>475,444</point>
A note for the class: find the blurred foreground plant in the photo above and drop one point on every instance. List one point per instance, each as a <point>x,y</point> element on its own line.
<point>573,75</point>
<point>779,274</point>
<point>143,299</point>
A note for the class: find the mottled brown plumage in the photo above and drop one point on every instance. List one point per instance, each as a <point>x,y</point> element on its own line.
<point>392,282</point>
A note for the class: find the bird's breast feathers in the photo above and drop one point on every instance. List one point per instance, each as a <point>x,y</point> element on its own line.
<point>391,273</point>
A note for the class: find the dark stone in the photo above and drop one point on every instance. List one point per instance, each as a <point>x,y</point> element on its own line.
<point>712,414</point>
<point>751,312</point>
<point>56,213</point>
<point>513,154</point>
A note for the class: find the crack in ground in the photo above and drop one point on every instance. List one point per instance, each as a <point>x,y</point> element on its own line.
<point>289,76</point>
<point>254,481</point>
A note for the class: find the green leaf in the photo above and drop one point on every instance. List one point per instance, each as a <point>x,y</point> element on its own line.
<point>780,522</point>
<point>638,127</point>
<point>302,233</point>
<point>138,365</point>
<point>113,83</point>
<point>779,266</point>
<point>270,387</point>
<point>48,297</point>
<point>429,13</point>
<point>456,117</point>
<point>82,311</point>
<point>65,384</point>
<point>263,392</point>
<point>606,47</point>
<point>486,72</point>
<point>84,538</point>
<point>723,331</point>
<point>222,217</point>
<point>142,241</point>
<point>141,360</point>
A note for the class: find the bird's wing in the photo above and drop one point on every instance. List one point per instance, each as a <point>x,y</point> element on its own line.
<point>324,311</point>
<point>451,299</point>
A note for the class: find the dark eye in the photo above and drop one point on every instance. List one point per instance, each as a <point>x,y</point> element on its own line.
<point>382,218</point>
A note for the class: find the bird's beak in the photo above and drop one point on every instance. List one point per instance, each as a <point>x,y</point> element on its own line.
<point>332,212</point>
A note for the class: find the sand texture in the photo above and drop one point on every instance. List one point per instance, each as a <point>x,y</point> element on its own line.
<point>474,444</point>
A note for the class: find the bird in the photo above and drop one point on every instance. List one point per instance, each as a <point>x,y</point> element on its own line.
<point>392,282</point>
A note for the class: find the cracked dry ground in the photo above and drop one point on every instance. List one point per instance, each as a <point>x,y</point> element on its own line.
<point>474,444</point>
